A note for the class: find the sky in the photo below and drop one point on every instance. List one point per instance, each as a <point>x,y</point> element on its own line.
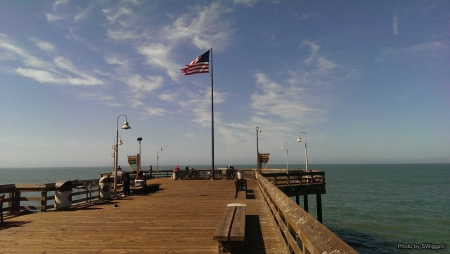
<point>365,81</point>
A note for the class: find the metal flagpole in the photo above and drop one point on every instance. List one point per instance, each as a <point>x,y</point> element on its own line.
<point>212,112</point>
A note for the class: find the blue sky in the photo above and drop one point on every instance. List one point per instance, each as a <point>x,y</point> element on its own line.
<point>367,81</point>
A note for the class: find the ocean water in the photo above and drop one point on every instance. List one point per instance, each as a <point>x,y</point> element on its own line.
<point>382,208</point>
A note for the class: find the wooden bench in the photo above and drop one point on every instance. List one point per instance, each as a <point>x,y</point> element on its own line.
<point>145,189</point>
<point>230,233</point>
<point>241,185</point>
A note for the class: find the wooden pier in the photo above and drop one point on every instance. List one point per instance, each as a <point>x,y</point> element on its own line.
<point>180,217</point>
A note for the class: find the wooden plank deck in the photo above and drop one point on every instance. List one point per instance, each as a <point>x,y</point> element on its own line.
<point>179,218</point>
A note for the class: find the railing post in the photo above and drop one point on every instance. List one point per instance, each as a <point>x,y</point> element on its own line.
<point>11,198</point>
<point>85,195</point>
<point>44,200</point>
<point>16,200</point>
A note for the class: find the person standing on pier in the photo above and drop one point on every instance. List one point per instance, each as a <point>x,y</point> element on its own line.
<point>176,170</point>
<point>150,171</point>
<point>126,183</point>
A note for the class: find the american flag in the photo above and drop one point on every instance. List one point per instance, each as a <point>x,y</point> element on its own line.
<point>198,65</point>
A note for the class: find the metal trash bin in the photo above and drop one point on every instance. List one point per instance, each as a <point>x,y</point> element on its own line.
<point>105,187</point>
<point>63,194</point>
<point>175,175</point>
<point>139,183</point>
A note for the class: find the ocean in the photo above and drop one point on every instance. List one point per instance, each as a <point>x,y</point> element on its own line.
<point>376,208</point>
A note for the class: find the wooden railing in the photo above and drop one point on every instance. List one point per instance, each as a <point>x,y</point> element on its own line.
<point>297,182</point>
<point>203,174</point>
<point>20,197</point>
<point>302,233</point>
<point>294,177</point>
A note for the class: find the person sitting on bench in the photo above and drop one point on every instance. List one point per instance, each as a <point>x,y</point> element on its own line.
<point>230,171</point>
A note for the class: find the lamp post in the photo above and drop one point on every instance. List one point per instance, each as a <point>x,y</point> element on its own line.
<point>125,127</point>
<point>157,158</point>
<point>139,139</point>
<point>257,130</point>
<point>114,147</point>
<point>257,148</point>
<point>306,149</point>
<point>287,156</point>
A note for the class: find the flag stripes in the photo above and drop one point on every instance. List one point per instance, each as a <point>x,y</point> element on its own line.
<point>198,65</point>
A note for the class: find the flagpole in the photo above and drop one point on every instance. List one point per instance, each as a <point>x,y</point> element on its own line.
<point>212,113</point>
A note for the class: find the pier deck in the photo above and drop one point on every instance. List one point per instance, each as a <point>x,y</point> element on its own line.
<point>181,217</point>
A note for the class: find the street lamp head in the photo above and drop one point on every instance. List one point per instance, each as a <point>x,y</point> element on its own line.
<point>120,142</point>
<point>161,149</point>
<point>282,148</point>
<point>126,126</point>
<point>139,139</point>
<point>299,139</point>
<point>258,129</point>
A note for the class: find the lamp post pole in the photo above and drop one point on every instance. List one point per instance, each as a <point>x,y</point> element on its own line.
<point>114,147</point>
<point>257,148</point>
<point>139,139</point>
<point>306,149</point>
<point>157,158</point>
<point>287,156</point>
<point>125,127</point>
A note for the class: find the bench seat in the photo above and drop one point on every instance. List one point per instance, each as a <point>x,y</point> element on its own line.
<point>145,189</point>
<point>230,233</point>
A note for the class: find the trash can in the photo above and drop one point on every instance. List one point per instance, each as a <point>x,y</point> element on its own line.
<point>139,183</point>
<point>175,175</point>
<point>63,194</point>
<point>105,187</point>
<point>240,174</point>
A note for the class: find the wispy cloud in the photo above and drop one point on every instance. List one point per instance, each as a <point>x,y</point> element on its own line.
<point>322,63</point>
<point>28,59</point>
<point>83,14</point>
<point>290,103</point>
<point>43,76</point>
<point>303,98</point>
<point>47,46</point>
<point>395,25</point>
<point>151,111</point>
<point>99,96</point>
<point>114,15</point>
<point>168,97</point>
<point>57,3</point>
<point>121,61</point>
<point>416,55</point>
<point>306,16</point>
<point>140,87</point>
<point>40,75</point>
<point>249,3</point>
<point>53,17</point>
<point>199,104</point>
<point>203,27</point>
<point>45,71</point>
<point>158,56</point>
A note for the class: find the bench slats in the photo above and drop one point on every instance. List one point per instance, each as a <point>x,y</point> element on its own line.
<point>238,230</point>
<point>222,232</point>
